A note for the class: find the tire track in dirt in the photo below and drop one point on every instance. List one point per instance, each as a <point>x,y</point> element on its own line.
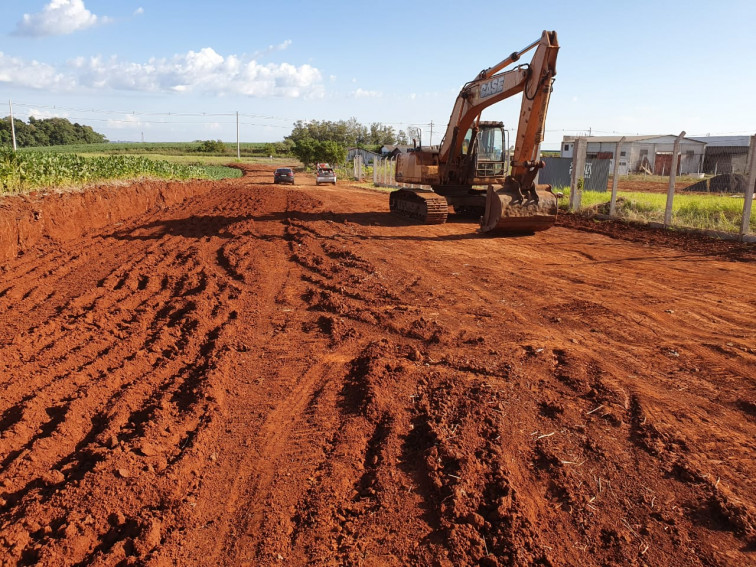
<point>125,412</point>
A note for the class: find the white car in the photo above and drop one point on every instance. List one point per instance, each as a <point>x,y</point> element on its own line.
<point>324,174</point>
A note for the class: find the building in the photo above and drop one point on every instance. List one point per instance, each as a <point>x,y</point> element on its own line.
<point>725,154</point>
<point>368,157</point>
<point>391,150</point>
<point>650,154</point>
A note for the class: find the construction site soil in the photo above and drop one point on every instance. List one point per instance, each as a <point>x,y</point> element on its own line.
<point>238,373</point>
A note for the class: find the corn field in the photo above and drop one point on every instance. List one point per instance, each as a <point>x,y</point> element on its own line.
<point>24,171</point>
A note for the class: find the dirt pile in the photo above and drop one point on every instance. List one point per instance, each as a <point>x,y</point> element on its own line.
<point>255,375</point>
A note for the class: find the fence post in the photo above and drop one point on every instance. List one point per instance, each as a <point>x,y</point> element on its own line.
<point>13,125</point>
<point>672,175</point>
<point>577,179</point>
<point>613,202</point>
<point>748,202</point>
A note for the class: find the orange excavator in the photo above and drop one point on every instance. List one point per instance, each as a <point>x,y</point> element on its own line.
<point>469,170</point>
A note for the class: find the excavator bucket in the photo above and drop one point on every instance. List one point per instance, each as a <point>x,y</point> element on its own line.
<point>508,212</point>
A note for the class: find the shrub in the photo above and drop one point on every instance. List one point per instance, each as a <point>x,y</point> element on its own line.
<point>212,147</point>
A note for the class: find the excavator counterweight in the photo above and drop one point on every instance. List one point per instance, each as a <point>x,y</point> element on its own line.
<point>470,170</point>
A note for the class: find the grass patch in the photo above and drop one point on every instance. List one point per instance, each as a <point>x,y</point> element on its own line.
<point>707,212</point>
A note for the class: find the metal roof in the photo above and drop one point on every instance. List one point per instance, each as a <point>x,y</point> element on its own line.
<point>726,141</point>
<point>615,139</point>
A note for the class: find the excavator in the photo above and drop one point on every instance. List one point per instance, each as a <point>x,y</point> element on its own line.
<point>469,170</point>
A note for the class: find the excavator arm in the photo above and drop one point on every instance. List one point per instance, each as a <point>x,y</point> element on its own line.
<point>533,80</point>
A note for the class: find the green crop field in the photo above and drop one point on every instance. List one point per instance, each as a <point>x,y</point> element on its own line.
<point>29,170</point>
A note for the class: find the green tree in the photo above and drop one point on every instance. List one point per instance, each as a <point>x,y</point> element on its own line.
<point>48,132</point>
<point>310,151</point>
<point>381,134</point>
<point>212,147</point>
<point>331,152</point>
<point>304,150</point>
<point>348,133</point>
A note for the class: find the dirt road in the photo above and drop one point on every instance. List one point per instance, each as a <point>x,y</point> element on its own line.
<point>262,375</point>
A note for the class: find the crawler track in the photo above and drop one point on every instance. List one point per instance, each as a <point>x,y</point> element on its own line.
<point>424,206</point>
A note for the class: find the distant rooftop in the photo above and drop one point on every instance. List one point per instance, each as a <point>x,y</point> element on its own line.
<point>615,139</point>
<point>724,141</point>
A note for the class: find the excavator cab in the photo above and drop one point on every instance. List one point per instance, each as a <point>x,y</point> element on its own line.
<point>491,157</point>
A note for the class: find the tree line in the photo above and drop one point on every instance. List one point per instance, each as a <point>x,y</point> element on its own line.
<point>47,132</point>
<point>325,140</point>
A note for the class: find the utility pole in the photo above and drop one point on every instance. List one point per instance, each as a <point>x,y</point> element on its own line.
<point>13,126</point>
<point>431,134</point>
<point>238,150</point>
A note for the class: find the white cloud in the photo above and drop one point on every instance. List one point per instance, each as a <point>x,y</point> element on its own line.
<point>32,74</point>
<point>362,93</point>
<point>127,122</point>
<point>271,49</point>
<point>59,17</point>
<point>44,114</point>
<point>203,71</point>
<point>139,11</point>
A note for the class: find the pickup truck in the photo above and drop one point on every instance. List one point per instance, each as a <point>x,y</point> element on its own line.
<point>324,174</point>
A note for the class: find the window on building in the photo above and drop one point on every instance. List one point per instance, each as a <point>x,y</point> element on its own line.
<point>566,147</point>
<point>623,154</point>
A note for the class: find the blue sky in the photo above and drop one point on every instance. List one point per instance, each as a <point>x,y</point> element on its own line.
<point>179,70</point>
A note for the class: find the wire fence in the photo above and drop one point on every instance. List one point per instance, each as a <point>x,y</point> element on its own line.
<point>689,183</point>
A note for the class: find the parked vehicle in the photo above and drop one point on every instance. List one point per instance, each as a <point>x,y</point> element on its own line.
<point>284,175</point>
<point>324,174</point>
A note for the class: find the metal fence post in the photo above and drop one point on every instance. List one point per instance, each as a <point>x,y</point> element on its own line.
<point>613,202</point>
<point>748,202</point>
<point>672,175</point>
<point>577,179</point>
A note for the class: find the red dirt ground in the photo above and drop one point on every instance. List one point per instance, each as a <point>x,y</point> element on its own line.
<point>237,373</point>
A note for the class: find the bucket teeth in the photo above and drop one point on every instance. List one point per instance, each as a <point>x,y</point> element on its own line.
<point>508,212</point>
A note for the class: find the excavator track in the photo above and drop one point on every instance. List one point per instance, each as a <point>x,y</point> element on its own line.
<point>425,206</point>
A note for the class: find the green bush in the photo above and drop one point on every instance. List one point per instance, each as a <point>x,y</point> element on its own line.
<point>212,147</point>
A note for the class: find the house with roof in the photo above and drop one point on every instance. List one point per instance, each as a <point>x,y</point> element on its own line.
<point>392,150</point>
<point>367,156</point>
<point>650,154</point>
